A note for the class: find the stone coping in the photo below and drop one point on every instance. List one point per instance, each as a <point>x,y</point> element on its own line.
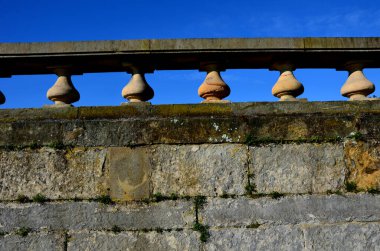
<point>190,44</point>
<point>186,54</point>
<point>141,110</point>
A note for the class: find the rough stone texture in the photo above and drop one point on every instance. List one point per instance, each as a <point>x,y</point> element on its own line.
<point>34,241</point>
<point>145,131</point>
<point>199,169</point>
<point>134,152</point>
<point>181,170</point>
<point>129,172</point>
<point>190,44</point>
<point>96,216</point>
<point>300,168</point>
<point>174,240</point>
<point>54,173</point>
<point>291,210</point>
<point>174,54</point>
<point>272,238</point>
<point>188,124</point>
<point>352,236</point>
<point>363,162</point>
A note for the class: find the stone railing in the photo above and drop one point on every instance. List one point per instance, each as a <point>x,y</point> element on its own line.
<point>139,57</point>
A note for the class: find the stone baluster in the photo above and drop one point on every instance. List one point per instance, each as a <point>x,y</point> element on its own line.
<point>213,89</point>
<point>2,98</point>
<point>137,89</point>
<point>287,87</point>
<point>357,86</point>
<point>63,92</point>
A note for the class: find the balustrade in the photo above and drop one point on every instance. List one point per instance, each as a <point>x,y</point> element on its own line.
<point>63,92</point>
<point>137,89</point>
<point>213,56</point>
<point>213,89</point>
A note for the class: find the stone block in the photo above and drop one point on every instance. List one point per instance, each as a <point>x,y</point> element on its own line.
<point>351,236</point>
<point>242,211</point>
<point>129,173</point>
<point>181,170</point>
<point>210,170</point>
<point>263,238</point>
<point>363,162</point>
<point>152,240</point>
<point>291,168</point>
<point>96,216</point>
<point>33,242</point>
<point>63,174</point>
<point>23,133</point>
<point>145,131</point>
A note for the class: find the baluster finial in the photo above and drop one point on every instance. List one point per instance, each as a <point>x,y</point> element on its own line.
<point>357,86</point>
<point>213,88</point>
<point>63,92</point>
<point>137,89</point>
<point>287,87</point>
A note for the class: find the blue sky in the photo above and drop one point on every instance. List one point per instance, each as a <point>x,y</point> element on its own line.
<point>42,20</point>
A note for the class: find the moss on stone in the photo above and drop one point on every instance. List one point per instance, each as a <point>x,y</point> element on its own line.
<point>351,186</point>
<point>254,225</point>
<point>23,231</point>
<point>116,229</point>
<point>40,198</point>
<point>203,230</point>
<point>23,199</point>
<point>276,195</point>
<point>105,199</point>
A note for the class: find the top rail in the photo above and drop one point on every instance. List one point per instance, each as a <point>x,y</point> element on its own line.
<point>186,54</point>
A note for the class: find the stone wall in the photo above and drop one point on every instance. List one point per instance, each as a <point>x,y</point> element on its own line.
<point>244,176</point>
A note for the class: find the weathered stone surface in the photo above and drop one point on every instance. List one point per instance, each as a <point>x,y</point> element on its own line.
<point>54,173</point>
<point>104,56</point>
<point>262,238</point>
<point>21,133</point>
<point>175,45</point>
<point>145,131</point>
<point>96,216</point>
<point>33,242</point>
<point>363,162</point>
<point>137,173</point>
<point>129,173</point>
<point>291,210</point>
<point>352,236</point>
<point>199,169</point>
<point>174,240</point>
<point>188,124</point>
<point>303,168</point>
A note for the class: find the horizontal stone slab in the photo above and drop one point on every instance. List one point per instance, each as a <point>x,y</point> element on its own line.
<point>293,168</point>
<point>291,210</point>
<point>33,241</point>
<point>210,170</point>
<point>272,238</point>
<point>367,109</point>
<point>189,124</point>
<point>96,216</point>
<point>184,170</point>
<point>176,54</point>
<point>351,236</point>
<point>187,170</point>
<point>52,172</point>
<point>348,236</point>
<point>152,240</point>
